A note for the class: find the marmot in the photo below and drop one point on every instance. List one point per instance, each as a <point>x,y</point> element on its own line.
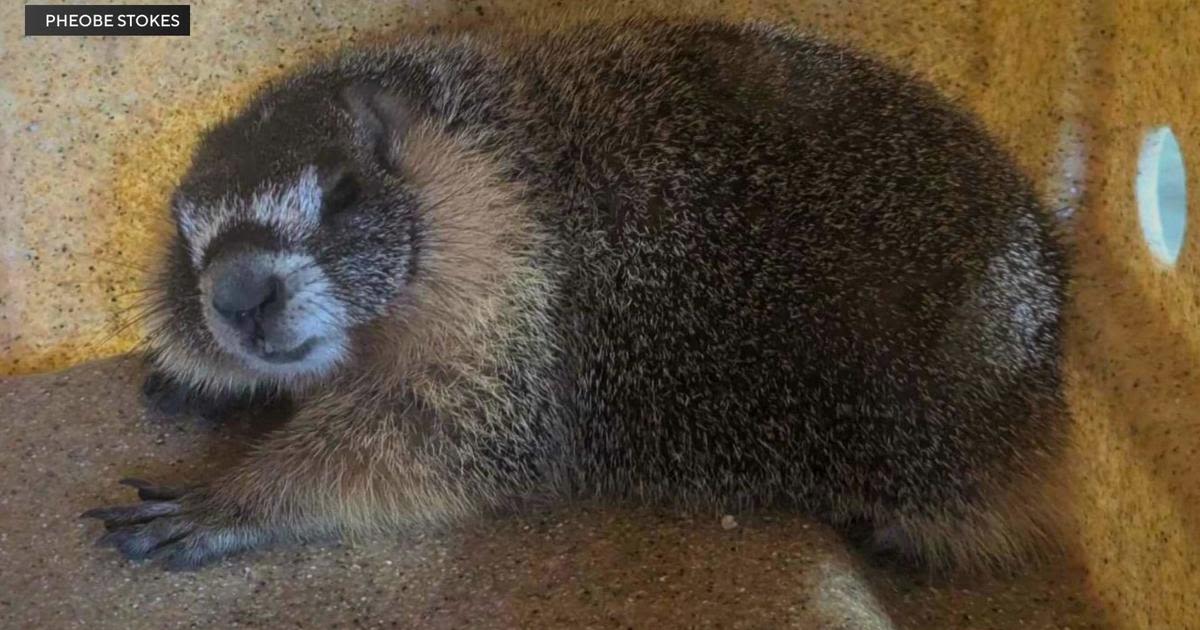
<point>717,265</point>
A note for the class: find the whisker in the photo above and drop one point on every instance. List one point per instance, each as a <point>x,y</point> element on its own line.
<point>120,263</point>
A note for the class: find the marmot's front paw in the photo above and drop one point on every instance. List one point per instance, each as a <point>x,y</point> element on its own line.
<point>179,525</point>
<point>169,397</point>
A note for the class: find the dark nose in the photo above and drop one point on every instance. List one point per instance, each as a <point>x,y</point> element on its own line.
<point>244,295</point>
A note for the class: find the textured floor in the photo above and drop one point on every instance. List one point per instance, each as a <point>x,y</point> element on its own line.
<point>69,436</point>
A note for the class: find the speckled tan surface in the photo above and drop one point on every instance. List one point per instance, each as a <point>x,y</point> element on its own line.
<point>71,435</point>
<point>92,131</point>
<point>1135,347</point>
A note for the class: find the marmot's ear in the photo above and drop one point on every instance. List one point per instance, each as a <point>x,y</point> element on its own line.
<point>382,118</point>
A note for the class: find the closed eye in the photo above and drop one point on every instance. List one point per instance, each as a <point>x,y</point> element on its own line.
<point>344,194</point>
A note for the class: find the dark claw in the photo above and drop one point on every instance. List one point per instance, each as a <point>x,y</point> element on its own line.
<point>148,540</point>
<point>119,516</point>
<point>174,524</point>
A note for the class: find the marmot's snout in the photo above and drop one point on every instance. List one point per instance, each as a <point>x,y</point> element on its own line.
<point>251,301</point>
<point>272,309</point>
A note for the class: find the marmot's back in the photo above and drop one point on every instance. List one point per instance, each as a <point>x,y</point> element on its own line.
<point>791,273</point>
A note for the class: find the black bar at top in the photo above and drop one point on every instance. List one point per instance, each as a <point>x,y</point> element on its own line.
<point>119,19</point>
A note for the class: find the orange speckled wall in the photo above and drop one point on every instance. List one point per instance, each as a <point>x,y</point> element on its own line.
<point>93,131</point>
<point>1134,343</point>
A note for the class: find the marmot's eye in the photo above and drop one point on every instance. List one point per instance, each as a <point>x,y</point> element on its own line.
<point>342,195</point>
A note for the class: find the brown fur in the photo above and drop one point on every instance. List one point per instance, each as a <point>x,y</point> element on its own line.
<point>681,262</point>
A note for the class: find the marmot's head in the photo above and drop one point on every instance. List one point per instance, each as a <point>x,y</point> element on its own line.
<point>292,229</point>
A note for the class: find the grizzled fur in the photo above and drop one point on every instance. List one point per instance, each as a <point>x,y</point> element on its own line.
<point>669,261</point>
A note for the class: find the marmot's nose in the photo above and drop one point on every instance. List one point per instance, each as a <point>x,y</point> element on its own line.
<point>244,295</point>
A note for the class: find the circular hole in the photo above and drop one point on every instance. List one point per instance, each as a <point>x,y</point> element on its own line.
<point>1162,194</point>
